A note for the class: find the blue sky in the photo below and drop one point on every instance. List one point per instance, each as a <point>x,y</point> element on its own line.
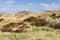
<point>28,5</point>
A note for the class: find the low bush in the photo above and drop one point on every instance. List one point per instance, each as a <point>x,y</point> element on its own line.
<point>55,25</point>
<point>1,19</point>
<point>15,27</point>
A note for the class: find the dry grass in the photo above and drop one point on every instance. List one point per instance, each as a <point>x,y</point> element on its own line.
<point>36,33</point>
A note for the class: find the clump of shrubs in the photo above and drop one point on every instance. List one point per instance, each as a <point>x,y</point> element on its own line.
<point>54,16</point>
<point>15,27</point>
<point>40,22</point>
<point>37,21</point>
<point>55,25</point>
<point>30,19</point>
<point>1,19</point>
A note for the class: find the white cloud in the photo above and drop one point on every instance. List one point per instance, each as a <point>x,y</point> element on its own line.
<point>28,7</point>
<point>52,6</point>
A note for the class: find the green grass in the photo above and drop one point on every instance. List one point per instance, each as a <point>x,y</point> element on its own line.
<point>35,34</point>
<point>0,36</point>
